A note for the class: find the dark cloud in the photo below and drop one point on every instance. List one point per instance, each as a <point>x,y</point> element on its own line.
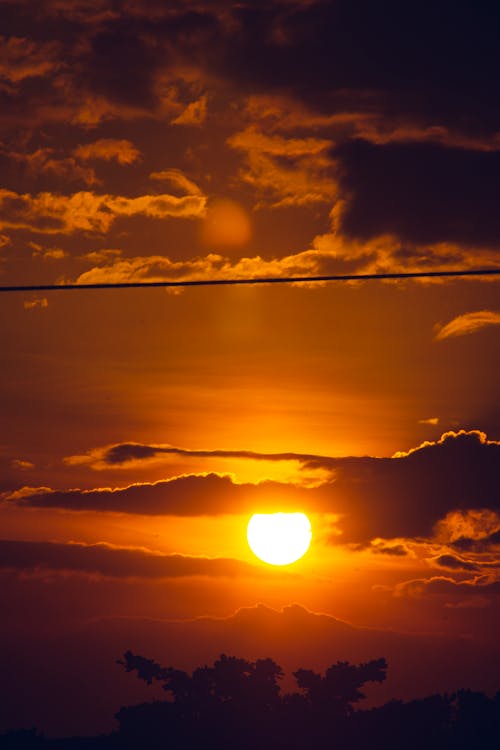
<point>124,452</point>
<point>411,71</point>
<point>454,563</point>
<point>191,495</point>
<point>404,61</point>
<point>396,550</point>
<point>400,497</point>
<point>437,63</point>
<point>406,495</point>
<point>482,586</point>
<point>122,64</point>
<point>115,562</point>
<point>485,543</point>
<point>420,192</point>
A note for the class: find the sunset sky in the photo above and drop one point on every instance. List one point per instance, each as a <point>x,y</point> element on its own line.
<point>143,140</point>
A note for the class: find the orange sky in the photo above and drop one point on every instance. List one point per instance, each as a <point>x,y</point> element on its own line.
<point>142,428</point>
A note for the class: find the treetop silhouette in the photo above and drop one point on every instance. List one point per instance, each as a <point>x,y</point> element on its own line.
<point>239,681</point>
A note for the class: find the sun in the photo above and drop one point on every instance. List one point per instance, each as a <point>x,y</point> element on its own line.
<point>279,538</point>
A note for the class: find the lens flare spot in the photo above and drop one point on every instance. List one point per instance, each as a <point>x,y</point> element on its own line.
<point>226,224</point>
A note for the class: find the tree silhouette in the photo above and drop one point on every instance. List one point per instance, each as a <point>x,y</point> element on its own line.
<point>236,704</point>
<point>215,702</point>
<point>339,688</point>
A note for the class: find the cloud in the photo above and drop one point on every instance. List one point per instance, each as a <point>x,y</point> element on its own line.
<point>467,323</point>
<point>46,161</point>
<point>39,303</point>
<point>109,149</point>
<point>194,114</point>
<point>407,495</point>
<point>381,547</point>
<point>87,12</point>
<point>123,453</point>
<point>106,255</point>
<point>360,64</point>
<point>189,495</point>
<point>324,258</point>
<point>113,562</point>
<point>27,491</point>
<point>51,213</point>
<point>120,62</point>
<point>389,192</point>
<point>22,58</point>
<point>451,437</point>
<point>291,468</point>
<point>382,130</point>
<point>19,463</point>
<point>445,587</point>
<point>454,563</point>
<point>430,421</point>
<point>47,253</point>
<point>388,253</point>
<point>473,530</point>
<point>445,490</point>
<point>178,179</point>
<point>154,268</point>
<point>484,542</point>
<point>286,171</point>
<point>357,57</point>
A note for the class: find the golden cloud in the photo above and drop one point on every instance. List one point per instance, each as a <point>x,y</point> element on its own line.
<point>51,213</point>
<point>211,266</point>
<point>468,323</point>
<point>448,437</point>
<point>178,179</point>
<point>194,114</point>
<point>33,304</point>
<point>109,149</point>
<point>294,171</point>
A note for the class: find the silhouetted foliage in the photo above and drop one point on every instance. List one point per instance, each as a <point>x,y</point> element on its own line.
<point>236,704</point>
<point>339,688</point>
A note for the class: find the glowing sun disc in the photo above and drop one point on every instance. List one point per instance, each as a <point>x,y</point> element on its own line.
<point>279,538</point>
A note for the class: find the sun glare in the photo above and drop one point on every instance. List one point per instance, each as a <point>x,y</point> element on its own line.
<point>279,538</point>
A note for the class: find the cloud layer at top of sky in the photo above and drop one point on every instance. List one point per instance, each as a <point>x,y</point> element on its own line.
<point>414,145</point>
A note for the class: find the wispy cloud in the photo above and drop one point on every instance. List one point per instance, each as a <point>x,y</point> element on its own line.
<point>39,303</point>
<point>467,323</point>
<point>52,213</point>
<point>22,58</point>
<point>108,149</point>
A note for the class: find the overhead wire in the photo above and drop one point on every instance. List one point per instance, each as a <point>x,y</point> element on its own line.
<point>249,281</point>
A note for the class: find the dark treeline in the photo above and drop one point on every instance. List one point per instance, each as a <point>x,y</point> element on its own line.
<point>237,704</point>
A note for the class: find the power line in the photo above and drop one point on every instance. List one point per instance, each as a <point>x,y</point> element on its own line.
<point>258,280</point>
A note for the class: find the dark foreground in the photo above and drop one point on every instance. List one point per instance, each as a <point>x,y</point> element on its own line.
<point>236,704</point>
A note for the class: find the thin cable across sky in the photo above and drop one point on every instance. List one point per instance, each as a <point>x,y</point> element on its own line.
<point>248,281</point>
